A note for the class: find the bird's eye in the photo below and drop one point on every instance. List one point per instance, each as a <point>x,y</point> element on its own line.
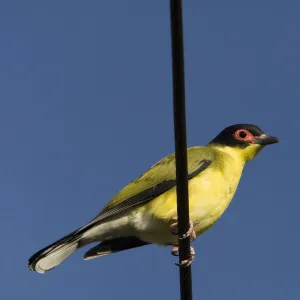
<point>242,134</point>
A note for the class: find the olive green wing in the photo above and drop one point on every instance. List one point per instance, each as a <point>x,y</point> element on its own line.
<point>157,180</point>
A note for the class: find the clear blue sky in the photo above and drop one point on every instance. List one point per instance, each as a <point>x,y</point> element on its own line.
<point>86,106</point>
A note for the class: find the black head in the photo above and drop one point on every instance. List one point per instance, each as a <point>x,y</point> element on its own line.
<point>242,136</point>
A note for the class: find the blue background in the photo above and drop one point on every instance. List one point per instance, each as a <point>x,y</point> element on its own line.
<point>86,106</point>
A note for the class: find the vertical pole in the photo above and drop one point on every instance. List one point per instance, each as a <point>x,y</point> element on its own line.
<point>180,144</point>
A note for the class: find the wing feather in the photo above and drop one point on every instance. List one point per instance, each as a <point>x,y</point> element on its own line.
<point>157,180</point>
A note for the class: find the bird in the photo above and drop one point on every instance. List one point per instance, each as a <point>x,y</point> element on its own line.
<point>145,211</point>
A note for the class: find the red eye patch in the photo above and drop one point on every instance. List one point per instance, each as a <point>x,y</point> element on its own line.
<point>244,135</point>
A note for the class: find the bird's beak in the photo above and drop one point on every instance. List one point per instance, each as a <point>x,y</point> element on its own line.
<point>265,139</point>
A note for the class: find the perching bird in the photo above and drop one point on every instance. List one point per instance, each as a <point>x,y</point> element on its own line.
<point>145,210</point>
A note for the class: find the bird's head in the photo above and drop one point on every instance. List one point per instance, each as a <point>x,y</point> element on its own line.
<point>243,140</point>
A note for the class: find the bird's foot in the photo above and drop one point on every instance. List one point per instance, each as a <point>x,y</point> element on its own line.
<point>190,233</point>
<point>187,262</point>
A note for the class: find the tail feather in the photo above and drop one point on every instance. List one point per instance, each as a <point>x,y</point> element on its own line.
<point>52,255</point>
<point>113,246</point>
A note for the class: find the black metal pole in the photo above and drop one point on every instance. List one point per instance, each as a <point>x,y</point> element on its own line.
<point>180,145</point>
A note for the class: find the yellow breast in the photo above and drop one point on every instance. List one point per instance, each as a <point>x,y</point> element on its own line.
<point>209,195</point>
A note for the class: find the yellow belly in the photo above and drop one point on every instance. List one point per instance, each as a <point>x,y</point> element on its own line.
<point>209,195</point>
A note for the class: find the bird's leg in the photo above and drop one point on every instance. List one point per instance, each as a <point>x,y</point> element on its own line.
<point>190,233</point>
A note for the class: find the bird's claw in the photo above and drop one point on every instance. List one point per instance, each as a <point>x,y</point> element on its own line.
<point>187,262</point>
<point>190,233</point>
<point>175,251</point>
